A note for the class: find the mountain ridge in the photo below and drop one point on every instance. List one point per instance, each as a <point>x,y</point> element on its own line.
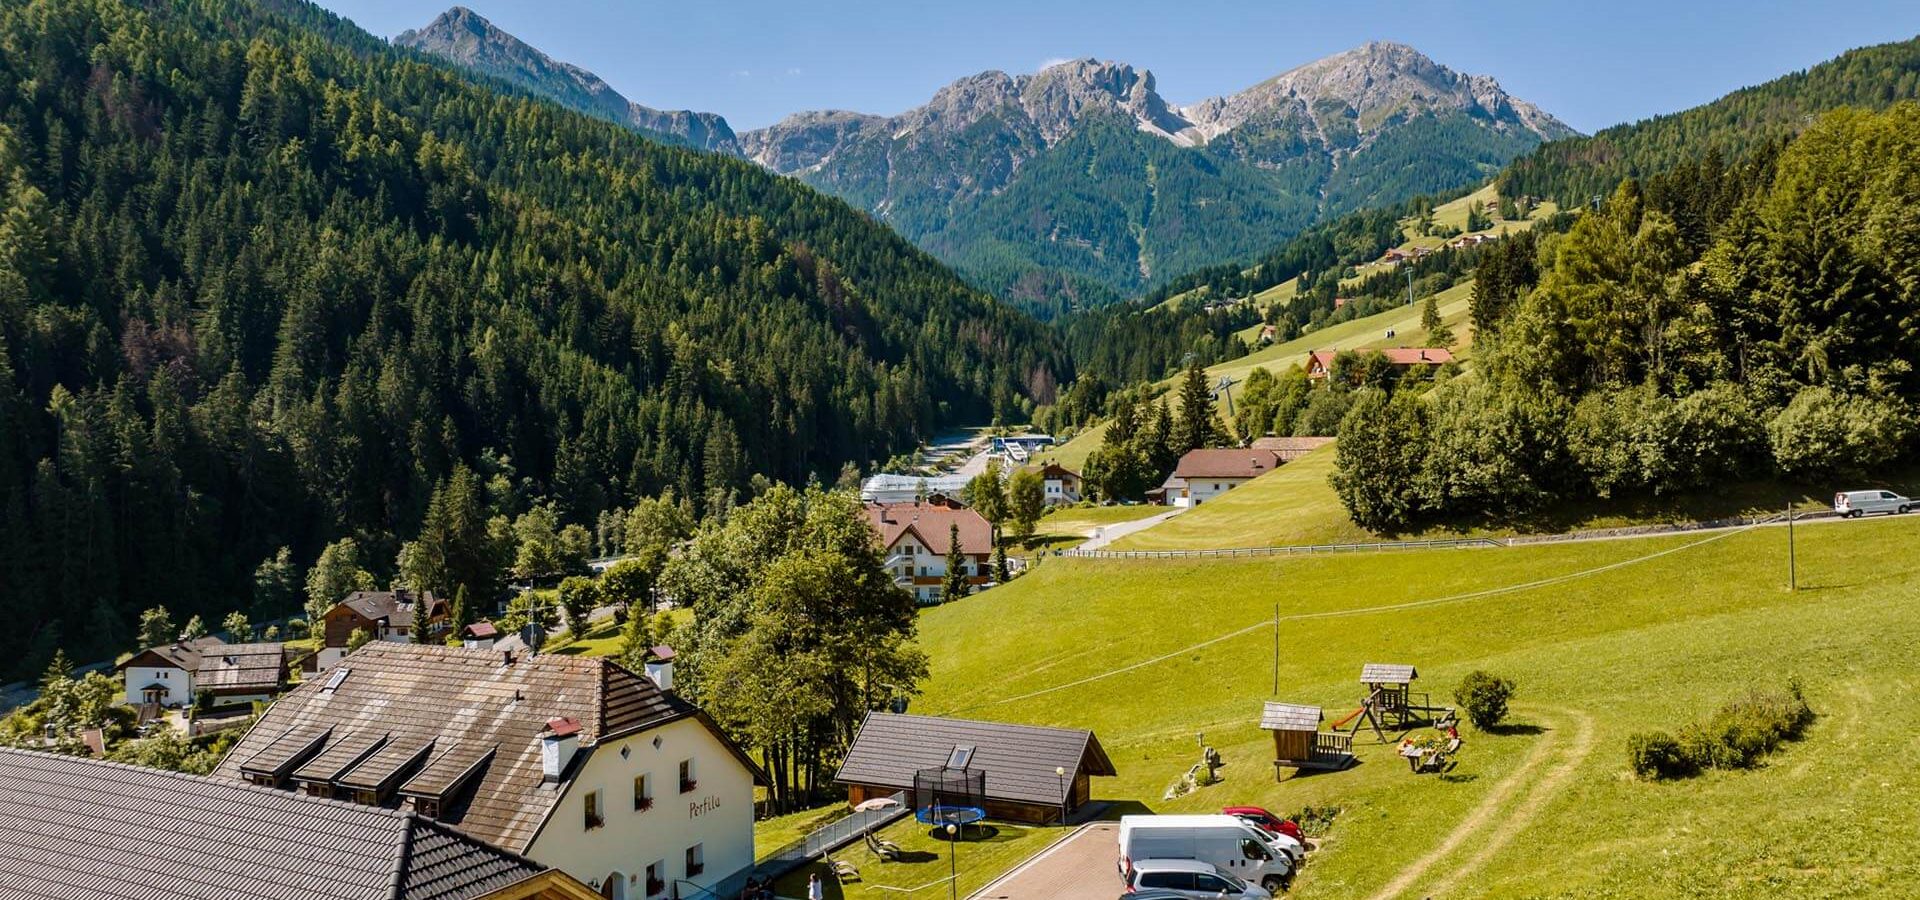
<point>469,39</point>
<point>1079,184</point>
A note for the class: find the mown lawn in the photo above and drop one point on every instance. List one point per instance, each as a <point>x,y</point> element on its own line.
<point>1632,635</point>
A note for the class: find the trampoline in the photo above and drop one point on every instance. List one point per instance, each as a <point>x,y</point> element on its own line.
<point>951,795</point>
<point>949,815</point>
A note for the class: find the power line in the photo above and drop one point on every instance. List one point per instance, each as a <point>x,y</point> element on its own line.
<point>1368,610</point>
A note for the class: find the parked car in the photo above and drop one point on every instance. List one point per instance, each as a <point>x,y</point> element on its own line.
<point>1293,847</point>
<point>1258,817</point>
<point>1188,878</point>
<point>1223,841</point>
<point>1854,504</point>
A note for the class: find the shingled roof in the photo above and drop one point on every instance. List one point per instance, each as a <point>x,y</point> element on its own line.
<point>241,667</point>
<point>1226,463</point>
<point>468,719</point>
<point>1289,717</point>
<point>932,523</point>
<point>1387,673</point>
<point>218,666</point>
<point>79,829</point>
<point>1019,760</point>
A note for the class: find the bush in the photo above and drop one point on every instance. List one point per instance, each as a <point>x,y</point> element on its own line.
<point>1737,736</point>
<point>1484,696</point>
<point>1656,754</point>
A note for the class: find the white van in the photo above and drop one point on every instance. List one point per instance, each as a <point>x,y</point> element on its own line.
<point>1854,504</point>
<point>1237,848</point>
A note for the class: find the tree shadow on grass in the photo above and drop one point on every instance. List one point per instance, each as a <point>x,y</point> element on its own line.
<point>1516,729</point>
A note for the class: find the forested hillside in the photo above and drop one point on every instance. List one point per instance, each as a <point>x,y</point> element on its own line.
<point>265,282</point>
<point>1777,335</point>
<point>1576,169</point>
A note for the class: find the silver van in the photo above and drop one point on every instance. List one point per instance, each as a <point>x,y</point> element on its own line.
<point>1854,504</point>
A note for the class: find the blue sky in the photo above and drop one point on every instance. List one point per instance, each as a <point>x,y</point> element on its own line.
<point>1593,64</point>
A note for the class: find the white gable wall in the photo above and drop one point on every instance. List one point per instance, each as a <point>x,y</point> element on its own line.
<point>717,814</point>
<point>179,684</point>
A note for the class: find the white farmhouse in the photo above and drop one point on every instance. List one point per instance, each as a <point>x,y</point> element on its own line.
<point>172,675</point>
<point>1205,474</point>
<point>575,763</point>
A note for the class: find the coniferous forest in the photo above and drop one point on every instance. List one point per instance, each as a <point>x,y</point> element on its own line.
<point>265,282</point>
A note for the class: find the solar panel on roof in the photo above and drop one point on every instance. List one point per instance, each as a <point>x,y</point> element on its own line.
<point>333,681</point>
<point>960,756</point>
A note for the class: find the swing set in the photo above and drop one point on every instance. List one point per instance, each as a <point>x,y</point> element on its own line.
<point>1389,703</point>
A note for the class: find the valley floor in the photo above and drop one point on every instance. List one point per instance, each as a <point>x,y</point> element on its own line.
<point>1605,639</point>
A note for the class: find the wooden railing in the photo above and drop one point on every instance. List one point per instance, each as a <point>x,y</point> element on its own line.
<point>1327,743</point>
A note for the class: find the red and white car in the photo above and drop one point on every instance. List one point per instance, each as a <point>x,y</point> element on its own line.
<point>1284,833</point>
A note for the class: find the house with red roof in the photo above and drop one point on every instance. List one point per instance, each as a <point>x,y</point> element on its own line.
<point>916,538</point>
<point>1320,362</point>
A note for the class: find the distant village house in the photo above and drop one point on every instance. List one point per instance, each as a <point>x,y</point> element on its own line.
<point>915,538</point>
<point>174,675</point>
<point>1320,362</point>
<point>1061,484</point>
<point>383,615</point>
<point>1204,474</point>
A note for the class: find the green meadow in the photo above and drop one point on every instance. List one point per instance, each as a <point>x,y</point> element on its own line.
<point>1605,638</point>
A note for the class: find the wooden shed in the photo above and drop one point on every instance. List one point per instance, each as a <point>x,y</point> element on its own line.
<point>1298,742</point>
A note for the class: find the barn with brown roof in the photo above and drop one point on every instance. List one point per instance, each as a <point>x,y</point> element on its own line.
<point>80,829</point>
<point>642,788</point>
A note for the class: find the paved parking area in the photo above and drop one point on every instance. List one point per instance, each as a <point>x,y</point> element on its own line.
<point>1079,866</point>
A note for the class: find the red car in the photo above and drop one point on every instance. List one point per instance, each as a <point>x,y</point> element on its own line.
<point>1265,821</point>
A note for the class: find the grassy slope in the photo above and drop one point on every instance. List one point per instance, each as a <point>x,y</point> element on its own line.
<point>1363,333</point>
<point>1647,645</point>
<point>1296,505</point>
<point>1067,526</point>
<point>1073,454</point>
<point>1291,505</point>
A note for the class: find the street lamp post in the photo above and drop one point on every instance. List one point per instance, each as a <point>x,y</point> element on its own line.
<point>1060,772</point>
<point>953,870</point>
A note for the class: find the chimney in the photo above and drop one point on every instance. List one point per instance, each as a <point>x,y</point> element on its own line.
<point>559,741</point>
<point>660,666</point>
<point>506,657</point>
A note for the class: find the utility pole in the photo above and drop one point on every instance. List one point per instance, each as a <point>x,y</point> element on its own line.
<point>1793,571</point>
<point>1409,266</point>
<point>1276,648</point>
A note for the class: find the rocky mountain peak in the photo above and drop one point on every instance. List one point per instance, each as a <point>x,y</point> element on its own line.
<point>1368,86</point>
<point>467,39</point>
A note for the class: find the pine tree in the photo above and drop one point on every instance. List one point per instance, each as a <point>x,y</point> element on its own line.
<point>1199,425</point>
<point>460,615</point>
<point>1438,334</point>
<point>956,585</point>
<point>422,619</point>
<point>1000,572</point>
